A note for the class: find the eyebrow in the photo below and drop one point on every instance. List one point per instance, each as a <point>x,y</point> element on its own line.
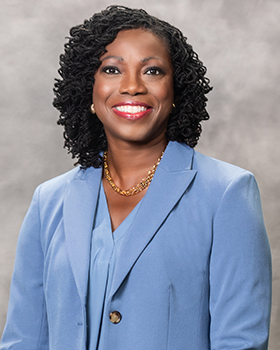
<point>152,58</point>
<point>112,56</point>
<point>143,60</point>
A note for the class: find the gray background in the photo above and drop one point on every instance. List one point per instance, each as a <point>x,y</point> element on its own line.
<point>239,42</point>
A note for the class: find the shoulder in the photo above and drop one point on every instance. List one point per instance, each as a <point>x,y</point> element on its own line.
<point>219,182</point>
<point>49,199</point>
<point>56,186</point>
<point>59,183</point>
<point>213,178</point>
<point>214,170</point>
<point>52,192</point>
<point>209,170</point>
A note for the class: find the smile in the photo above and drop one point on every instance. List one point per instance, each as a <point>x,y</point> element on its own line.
<point>132,110</point>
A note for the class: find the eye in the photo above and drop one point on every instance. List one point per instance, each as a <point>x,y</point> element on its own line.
<point>110,70</point>
<point>154,71</point>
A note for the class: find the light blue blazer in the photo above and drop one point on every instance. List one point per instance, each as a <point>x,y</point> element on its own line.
<point>194,273</point>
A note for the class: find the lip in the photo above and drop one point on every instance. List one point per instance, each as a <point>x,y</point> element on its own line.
<point>132,103</point>
<point>132,116</point>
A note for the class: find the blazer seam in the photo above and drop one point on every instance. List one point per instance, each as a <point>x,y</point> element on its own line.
<point>42,325</point>
<point>206,273</point>
<point>43,301</point>
<point>169,313</point>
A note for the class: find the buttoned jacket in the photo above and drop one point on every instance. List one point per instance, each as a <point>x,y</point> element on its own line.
<point>194,271</point>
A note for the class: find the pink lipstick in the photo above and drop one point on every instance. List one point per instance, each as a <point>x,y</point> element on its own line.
<point>131,110</point>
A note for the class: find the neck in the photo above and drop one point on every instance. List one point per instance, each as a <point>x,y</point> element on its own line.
<point>129,163</point>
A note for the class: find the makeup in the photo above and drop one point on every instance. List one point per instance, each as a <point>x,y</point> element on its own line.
<point>132,110</point>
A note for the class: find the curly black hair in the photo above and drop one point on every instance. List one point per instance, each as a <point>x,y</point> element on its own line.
<point>83,132</point>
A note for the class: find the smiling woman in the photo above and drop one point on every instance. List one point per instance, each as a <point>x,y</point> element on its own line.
<point>147,244</point>
<point>133,89</point>
<point>132,97</point>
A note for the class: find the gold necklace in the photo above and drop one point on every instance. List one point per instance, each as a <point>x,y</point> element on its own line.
<point>145,182</point>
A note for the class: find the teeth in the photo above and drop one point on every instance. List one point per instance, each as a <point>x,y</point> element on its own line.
<point>131,109</point>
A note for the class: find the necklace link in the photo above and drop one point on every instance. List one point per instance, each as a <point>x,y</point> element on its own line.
<point>145,182</point>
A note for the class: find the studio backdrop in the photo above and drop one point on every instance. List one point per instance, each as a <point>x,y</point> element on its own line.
<point>238,41</point>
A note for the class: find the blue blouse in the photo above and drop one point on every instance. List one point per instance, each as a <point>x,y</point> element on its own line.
<point>105,249</point>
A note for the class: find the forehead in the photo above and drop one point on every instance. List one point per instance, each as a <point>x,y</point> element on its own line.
<point>138,41</point>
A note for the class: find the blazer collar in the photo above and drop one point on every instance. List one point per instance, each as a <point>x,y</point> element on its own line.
<point>78,213</point>
<point>172,177</point>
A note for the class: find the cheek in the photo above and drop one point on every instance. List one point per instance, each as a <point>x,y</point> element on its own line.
<point>101,91</point>
<point>170,89</point>
<point>165,94</point>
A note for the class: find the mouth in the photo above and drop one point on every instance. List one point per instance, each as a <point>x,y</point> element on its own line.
<point>132,110</point>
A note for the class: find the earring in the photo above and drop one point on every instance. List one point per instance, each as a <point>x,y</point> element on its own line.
<point>173,106</point>
<point>92,109</point>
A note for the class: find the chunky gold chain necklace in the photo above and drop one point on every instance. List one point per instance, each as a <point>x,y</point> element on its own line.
<point>145,182</point>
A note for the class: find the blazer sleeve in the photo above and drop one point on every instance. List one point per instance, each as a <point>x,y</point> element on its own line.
<point>26,325</point>
<point>240,270</point>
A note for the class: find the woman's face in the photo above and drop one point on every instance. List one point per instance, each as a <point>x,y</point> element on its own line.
<point>133,89</point>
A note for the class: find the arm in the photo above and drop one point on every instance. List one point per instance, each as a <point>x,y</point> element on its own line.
<point>26,325</point>
<point>240,270</point>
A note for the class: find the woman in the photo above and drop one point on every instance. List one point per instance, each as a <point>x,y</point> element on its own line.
<point>148,244</point>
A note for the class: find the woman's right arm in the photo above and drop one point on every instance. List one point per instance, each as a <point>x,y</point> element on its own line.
<point>26,326</point>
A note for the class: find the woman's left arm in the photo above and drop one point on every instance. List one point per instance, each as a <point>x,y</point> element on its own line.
<point>240,270</point>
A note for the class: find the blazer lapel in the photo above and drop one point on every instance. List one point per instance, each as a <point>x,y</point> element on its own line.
<point>79,210</point>
<point>172,178</point>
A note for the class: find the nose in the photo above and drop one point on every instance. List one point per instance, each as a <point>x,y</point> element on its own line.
<point>132,84</point>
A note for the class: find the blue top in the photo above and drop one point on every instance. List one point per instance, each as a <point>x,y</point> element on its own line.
<point>105,250</point>
<point>193,272</point>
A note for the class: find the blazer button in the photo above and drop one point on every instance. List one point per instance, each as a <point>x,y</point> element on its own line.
<point>115,317</point>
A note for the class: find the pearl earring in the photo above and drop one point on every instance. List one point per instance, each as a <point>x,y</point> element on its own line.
<point>173,106</point>
<point>92,109</point>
